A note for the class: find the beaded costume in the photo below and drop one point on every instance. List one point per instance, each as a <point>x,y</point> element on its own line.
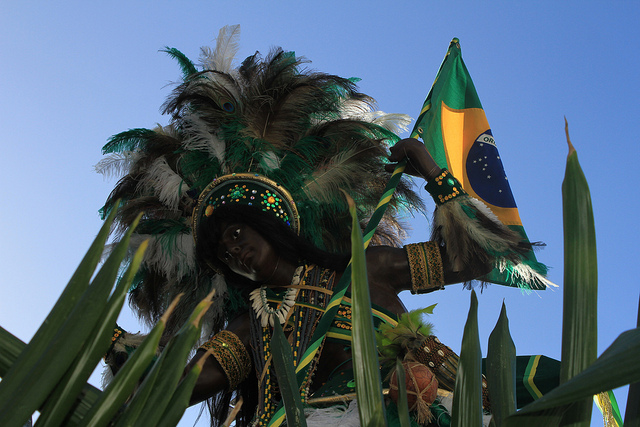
<point>314,293</point>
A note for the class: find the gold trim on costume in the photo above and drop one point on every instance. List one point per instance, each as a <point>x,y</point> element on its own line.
<point>242,178</point>
<point>232,355</point>
<point>425,264</point>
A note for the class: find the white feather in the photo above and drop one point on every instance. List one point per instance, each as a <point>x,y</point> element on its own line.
<point>523,272</point>
<point>355,109</point>
<point>175,263</point>
<point>337,415</point>
<point>396,123</point>
<point>222,81</point>
<point>116,165</point>
<point>108,248</point>
<point>200,138</point>
<point>269,161</point>
<point>359,110</point>
<point>135,242</point>
<point>216,311</point>
<point>186,248</point>
<point>165,183</point>
<point>107,377</point>
<point>337,173</point>
<point>221,59</point>
<point>485,210</point>
<point>168,130</point>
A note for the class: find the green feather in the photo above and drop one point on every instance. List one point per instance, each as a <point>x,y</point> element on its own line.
<point>128,140</point>
<point>199,169</point>
<point>185,63</point>
<point>396,342</point>
<point>162,226</point>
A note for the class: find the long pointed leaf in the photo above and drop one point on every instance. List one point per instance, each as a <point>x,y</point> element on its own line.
<point>180,400</point>
<point>176,354</point>
<point>120,388</point>
<point>135,406</point>
<point>366,366</point>
<point>632,413</point>
<point>283,363</point>
<point>579,322</point>
<point>30,393</point>
<point>11,347</point>
<point>403,402</point>
<point>501,370</point>
<point>58,314</point>
<point>64,395</point>
<point>467,394</point>
<point>616,367</point>
<point>151,383</point>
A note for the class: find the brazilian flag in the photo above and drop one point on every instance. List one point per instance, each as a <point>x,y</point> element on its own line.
<point>456,132</point>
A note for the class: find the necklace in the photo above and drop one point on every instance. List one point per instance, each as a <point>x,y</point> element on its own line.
<point>314,291</point>
<point>265,312</point>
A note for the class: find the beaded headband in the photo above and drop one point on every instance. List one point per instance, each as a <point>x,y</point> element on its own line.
<point>248,189</point>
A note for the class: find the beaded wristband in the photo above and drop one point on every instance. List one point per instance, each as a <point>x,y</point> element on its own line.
<point>425,264</point>
<point>444,188</point>
<point>117,333</point>
<point>232,355</point>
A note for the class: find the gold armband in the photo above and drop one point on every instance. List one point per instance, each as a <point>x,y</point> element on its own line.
<point>232,355</point>
<point>425,264</point>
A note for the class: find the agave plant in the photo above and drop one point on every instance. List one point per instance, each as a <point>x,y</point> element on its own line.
<point>49,374</point>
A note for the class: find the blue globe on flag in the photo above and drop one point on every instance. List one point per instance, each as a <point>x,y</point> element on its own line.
<point>486,173</point>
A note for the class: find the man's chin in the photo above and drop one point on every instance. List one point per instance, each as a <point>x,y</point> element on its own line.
<point>251,275</point>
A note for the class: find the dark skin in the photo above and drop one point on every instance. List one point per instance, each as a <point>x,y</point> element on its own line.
<point>247,253</point>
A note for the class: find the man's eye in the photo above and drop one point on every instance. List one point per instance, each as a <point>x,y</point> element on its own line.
<point>236,233</point>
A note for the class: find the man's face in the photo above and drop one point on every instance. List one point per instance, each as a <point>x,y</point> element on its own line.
<point>246,252</point>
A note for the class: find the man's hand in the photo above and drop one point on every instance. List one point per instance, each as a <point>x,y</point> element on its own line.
<point>419,161</point>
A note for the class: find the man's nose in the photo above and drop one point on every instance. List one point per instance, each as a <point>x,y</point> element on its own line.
<point>234,249</point>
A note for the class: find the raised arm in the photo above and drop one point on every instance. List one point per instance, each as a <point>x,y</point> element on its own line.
<point>467,239</point>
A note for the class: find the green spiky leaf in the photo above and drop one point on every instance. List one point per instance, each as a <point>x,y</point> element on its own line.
<point>365,354</point>
<point>467,395</point>
<point>283,363</point>
<point>501,370</point>
<point>579,321</point>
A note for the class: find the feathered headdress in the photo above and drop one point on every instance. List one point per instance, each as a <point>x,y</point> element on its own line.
<point>309,132</point>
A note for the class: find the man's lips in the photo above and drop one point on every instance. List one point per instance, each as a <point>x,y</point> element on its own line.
<point>245,256</point>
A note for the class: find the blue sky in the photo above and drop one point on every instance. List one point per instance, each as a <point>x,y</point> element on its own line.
<point>72,75</point>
